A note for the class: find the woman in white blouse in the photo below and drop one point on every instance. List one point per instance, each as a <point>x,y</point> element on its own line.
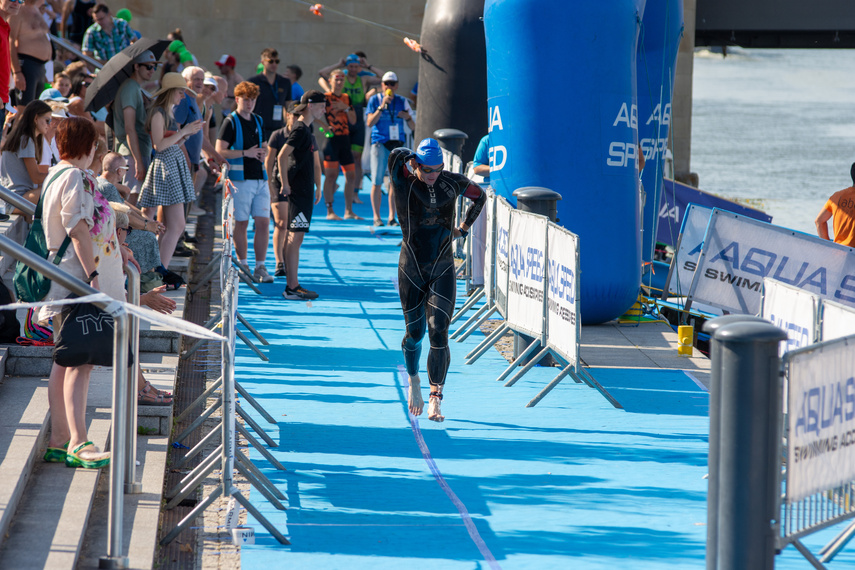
<point>73,207</point>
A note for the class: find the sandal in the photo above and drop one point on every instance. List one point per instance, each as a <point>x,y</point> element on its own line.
<point>436,395</point>
<point>151,396</point>
<point>56,454</point>
<point>88,459</point>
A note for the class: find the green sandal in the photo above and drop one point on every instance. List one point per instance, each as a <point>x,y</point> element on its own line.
<point>56,454</point>
<point>91,460</point>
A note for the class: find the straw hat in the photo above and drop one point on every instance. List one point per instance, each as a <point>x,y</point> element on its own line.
<point>173,80</point>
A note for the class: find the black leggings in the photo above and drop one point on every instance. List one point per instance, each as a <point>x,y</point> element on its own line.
<point>34,75</point>
<point>427,298</point>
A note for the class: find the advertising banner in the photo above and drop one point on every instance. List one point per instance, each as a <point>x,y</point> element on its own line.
<point>503,229</point>
<point>489,246</point>
<point>674,204</point>
<point>837,320</point>
<point>685,259</point>
<point>821,408</point>
<point>793,310</point>
<point>739,252</point>
<point>562,278</point>
<point>527,273</point>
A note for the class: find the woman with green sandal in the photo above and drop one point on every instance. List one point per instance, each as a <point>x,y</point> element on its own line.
<point>74,208</point>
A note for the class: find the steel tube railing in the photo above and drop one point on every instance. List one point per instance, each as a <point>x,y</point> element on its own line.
<point>132,486</point>
<point>17,201</point>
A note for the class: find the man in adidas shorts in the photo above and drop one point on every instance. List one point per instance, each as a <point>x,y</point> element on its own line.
<point>298,160</point>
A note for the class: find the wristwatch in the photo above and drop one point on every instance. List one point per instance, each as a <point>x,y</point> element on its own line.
<point>463,233</point>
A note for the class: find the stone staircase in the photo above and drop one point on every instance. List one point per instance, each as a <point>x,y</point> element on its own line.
<point>55,517</point>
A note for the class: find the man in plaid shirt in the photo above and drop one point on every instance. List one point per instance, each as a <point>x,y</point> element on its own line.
<point>107,36</point>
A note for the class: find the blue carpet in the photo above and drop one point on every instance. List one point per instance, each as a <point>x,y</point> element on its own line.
<point>654,391</point>
<point>571,483</point>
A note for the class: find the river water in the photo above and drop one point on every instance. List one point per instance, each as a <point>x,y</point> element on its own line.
<point>775,128</point>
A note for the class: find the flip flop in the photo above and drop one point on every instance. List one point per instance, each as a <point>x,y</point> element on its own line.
<point>93,459</point>
<point>56,454</point>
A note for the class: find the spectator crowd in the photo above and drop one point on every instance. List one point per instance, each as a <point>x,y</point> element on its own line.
<point>117,171</point>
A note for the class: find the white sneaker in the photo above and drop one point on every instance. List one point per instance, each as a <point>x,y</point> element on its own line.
<point>261,275</point>
<point>196,211</point>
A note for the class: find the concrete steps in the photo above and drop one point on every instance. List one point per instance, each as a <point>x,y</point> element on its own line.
<point>55,517</point>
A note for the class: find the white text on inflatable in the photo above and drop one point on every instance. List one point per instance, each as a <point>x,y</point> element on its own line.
<point>498,154</point>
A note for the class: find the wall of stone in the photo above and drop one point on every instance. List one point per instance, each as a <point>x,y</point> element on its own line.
<point>243,28</point>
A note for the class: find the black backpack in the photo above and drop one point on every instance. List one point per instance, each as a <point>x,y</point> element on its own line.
<point>10,328</point>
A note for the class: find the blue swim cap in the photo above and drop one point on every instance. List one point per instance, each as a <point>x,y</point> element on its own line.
<point>352,58</point>
<point>429,152</point>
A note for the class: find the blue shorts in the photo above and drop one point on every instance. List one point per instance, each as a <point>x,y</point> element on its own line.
<point>251,199</point>
<point>379,163</point>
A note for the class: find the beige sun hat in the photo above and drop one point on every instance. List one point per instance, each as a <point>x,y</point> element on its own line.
<point>173,80</point>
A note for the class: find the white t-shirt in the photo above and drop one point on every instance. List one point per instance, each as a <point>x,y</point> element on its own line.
<point>50,153</point>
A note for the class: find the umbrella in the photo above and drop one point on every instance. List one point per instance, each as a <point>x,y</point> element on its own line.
<point>118,68</point>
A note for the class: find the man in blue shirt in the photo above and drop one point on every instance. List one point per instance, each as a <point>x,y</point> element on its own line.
<point>481,161</point>
<point>188,111</point>
<point>387,115</point>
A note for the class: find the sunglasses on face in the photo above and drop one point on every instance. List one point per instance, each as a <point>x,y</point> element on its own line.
<point>149,66</point>
<point>273,60</point>
<point>127,230</point>
<point>429,170</point>
<point>390,83</point>
<point>17,1</point>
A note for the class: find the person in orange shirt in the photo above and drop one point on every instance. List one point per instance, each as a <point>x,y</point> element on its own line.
<point>841,206</point>
<point>340,115</point>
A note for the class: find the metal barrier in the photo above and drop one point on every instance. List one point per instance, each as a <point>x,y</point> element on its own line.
<point>811,498</point>
<point>118,432</point>
<point>225,456</point>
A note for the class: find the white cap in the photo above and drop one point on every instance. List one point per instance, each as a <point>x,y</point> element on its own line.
<point>389,76</point>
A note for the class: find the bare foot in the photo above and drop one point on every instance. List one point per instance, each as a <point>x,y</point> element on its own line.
<point>352,216</point>
<point>434,413</point>
<point>333,216</point>
<point>414,399</point>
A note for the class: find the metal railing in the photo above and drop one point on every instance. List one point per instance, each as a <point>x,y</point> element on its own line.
<point>225,455</point>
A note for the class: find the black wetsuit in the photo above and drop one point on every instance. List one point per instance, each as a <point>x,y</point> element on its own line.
<point>426,277</point>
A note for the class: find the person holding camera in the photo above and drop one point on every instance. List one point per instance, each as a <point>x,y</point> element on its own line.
<point>387,115</point>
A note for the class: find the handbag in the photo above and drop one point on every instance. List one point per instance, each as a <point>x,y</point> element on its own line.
<point>392,145</point>
<point>30,285</point>
<point>85,336</point>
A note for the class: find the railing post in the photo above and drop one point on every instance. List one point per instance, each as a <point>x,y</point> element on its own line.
<point>115,516</point>
<point>710,327</point>
<point>132,486</point>
<point>750,408</point>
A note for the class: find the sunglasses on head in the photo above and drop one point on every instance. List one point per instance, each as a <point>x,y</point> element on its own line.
<point>429,170</point>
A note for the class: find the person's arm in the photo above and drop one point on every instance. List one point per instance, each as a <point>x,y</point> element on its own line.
<point>86,47</point>
<point>15,30</point>
<point>372,118</point>
<point>318,193</point>
<point>822,224</point>
<point>66,12</point>
<point>161,142</point>
<point>210,151</point>
<point>283,168</point>
<point>407,116</point>
<point>130,116</point>
<point>481,169</point>
<point>269,163</point>
<point>324,73</point>
<point>156,301</point>
<point>123,190</point>
<point>82,244</point>
<point>478,198</point>
<point>33,170</point>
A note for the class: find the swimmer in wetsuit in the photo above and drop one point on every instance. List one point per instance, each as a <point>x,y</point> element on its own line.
<point>425,198</point>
